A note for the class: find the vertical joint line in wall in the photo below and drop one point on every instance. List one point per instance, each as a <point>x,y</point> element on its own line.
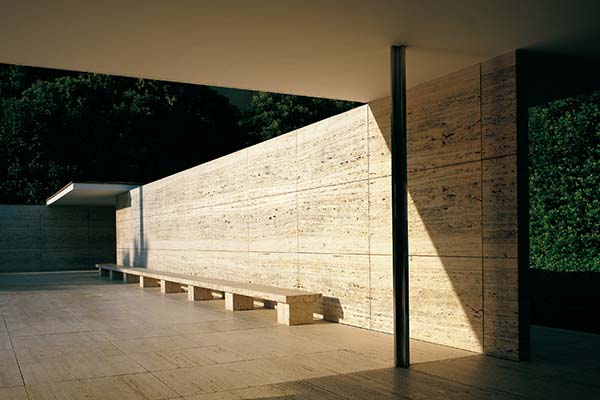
<point>481,195</point>
<point>369,213</point>
<point>296,172</point>
<point>247,195</point>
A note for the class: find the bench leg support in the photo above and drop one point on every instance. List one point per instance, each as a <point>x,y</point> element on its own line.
<point>196,293</point>
<point>130,278</point>
<point>236,302</point>
<point>299,313</point>
<point>115,275</point>
<point>148,282</point>
<point>169,287</point>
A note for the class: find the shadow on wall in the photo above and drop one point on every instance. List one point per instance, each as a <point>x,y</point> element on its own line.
<point>445,282</point>
<point>462,208</point>
<point>136,257</point>
<point>462,213</point>
<point>331,309</point>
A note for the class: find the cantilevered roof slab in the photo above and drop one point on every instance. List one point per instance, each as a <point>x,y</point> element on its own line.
<point>89,194</point>
<point>336,48</point>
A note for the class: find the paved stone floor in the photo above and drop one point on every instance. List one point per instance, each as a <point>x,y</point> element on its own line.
<point>73,336</point>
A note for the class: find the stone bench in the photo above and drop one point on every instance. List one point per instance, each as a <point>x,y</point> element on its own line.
<point>294,307</point>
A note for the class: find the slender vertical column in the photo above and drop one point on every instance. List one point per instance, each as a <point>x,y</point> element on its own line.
<point>399,208</point>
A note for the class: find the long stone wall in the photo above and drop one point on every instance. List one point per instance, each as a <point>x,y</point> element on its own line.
<point>294,211</point>
<point>311,209</point>
<point>39,238</point>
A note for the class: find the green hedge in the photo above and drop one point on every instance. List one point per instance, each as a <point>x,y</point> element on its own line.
<point>564,184</point>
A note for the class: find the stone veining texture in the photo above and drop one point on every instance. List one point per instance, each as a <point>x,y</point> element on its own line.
<point>311,209</point>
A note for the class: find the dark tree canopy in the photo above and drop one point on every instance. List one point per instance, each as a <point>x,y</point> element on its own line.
<point>271,114</point>
<point>58,126</point>
<point>564,184</point>
<point>103,128</point>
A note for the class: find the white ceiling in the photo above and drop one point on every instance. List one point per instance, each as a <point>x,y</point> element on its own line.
<point>335,48</point>
<point>89,194</point>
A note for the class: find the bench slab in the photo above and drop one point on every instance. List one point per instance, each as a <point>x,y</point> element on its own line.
<point>294,307</point>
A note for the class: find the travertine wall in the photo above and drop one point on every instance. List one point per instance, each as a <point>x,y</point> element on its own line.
<point>294,211</point>
<point>312,209</point>
<point>463,222</point>
<point>39,238</point>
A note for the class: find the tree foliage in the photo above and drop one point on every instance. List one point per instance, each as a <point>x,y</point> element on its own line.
<point>564,184</point>
<point>271,114</point>
<point>58,126</point>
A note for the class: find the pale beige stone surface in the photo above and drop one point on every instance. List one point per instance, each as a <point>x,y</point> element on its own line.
<point>445,299</point>
<point>272,166</point>
<point>500,208</point>
<point>380,213</point>
<point>149,282</point>
<point>444,211</point>
<point>380,137</point>
<point>381,293</point>
<point>236,302</point>
<point>131,343</point>
<point>230,175</point>
<point>334,150</point>
<point>183,230</point>
<point>299,313</point>
<point>499,106</point>
<point>13,393</point>
<point>501,307</point>
<point>229,227</point>
<point>273,269</point>
<point>9,373</point>
<point>196,293</point>
<point>312,208</point>
<point>345,279</point>
<point>170,287</point>
<point>334,219</point>
<point>258,241</point>
<point>273,223</point>
<point>462,137</point>
<point>238,296</point>
<point>443,123</point>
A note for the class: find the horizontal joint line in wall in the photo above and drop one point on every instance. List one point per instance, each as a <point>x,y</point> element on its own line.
<point>498,157</point>
<point>443,256</point>
<point>260,251</point>
<point>416,171</point>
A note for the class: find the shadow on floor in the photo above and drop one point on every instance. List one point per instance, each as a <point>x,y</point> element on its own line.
<point>46,281</point>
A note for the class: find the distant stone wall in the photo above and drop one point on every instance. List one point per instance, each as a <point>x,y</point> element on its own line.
<point>39,238</point>
<point>311,209</point>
